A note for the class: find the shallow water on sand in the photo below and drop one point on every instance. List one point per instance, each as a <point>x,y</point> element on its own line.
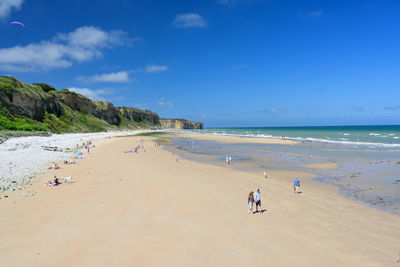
<point>367,174</point>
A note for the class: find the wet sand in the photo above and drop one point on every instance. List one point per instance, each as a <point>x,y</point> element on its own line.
<point>146,209</point>
<point>322,166</point>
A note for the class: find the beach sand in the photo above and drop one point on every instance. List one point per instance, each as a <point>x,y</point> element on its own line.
<point>146,209</point>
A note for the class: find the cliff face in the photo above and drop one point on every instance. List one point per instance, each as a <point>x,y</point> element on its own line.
<point>180,124</point>
<point>41,107</point>
<point>138,115</point>
<point>28,100</point>
<point>102,110</point>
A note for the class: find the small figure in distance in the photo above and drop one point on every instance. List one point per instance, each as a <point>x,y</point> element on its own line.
<point>250,200</point>
<point>265,175</point>
<point>296,185</point>
<point>398,258</point>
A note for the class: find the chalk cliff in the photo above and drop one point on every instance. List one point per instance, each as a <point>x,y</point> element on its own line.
<point>180,124</point>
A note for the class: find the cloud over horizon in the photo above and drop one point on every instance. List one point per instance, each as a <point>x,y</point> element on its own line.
<point>168,103</point>
<point>6,6</point>
<point>83,44</point>
<point>189,20</point>
<point>118,77</point>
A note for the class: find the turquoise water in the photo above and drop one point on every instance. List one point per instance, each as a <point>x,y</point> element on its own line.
<point>381,135</point>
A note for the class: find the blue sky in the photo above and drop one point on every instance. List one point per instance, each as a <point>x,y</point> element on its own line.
<point>223,62</point>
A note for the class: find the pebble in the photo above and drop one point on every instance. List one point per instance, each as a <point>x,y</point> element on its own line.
<point>24,158</point>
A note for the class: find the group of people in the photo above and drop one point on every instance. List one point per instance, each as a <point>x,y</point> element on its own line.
<point>255,198</point>
<point>228,160</point>
<point>88,145</point>
<point>54,182</point>
<point>55,167</point>
<point>136,148</point>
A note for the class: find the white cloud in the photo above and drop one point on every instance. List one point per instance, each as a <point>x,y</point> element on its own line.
<point>60,52</point>
<point>90,36</point>
<point>189,20</point>
<point>6,6</point>
<point>156,68</point>
<point>92,94</point>
<point>121,76</point>
<point>162,103</point>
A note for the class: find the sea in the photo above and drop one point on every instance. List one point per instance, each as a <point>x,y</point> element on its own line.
<point>368,157</point>
<point>377,135</point>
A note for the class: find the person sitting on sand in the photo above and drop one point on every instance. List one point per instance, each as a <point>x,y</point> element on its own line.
<point>296,185</point>
<point>250,200</point>
<point>56,182</point>
<point>257,198</point>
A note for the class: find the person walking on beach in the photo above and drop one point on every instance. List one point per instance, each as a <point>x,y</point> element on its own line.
<point>250,200</point>
<point>257,198</point>
<point>296,185</point>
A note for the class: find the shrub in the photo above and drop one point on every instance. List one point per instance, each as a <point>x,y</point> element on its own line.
<point>45,87</point>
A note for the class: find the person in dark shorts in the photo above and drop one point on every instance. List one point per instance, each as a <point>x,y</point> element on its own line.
<point>257,198</point>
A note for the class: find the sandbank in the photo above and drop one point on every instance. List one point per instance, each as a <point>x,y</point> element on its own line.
<point>322,166</point>
<point>146,209</point>
<point>236,139</point>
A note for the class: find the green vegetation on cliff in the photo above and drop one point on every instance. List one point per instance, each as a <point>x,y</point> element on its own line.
<point>40,107</point>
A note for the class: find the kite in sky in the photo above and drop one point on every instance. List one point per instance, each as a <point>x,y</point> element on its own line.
<point>18,23</point>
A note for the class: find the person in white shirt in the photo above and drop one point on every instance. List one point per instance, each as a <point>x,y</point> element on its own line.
<point>257,198</point>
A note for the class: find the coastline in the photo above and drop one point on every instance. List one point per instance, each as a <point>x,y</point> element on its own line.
<point>122,208</point>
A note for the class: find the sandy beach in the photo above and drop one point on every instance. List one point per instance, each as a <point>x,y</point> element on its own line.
<point>147,209</point>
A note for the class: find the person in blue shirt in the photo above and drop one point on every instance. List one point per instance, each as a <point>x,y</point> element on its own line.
<point>296,185</point>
